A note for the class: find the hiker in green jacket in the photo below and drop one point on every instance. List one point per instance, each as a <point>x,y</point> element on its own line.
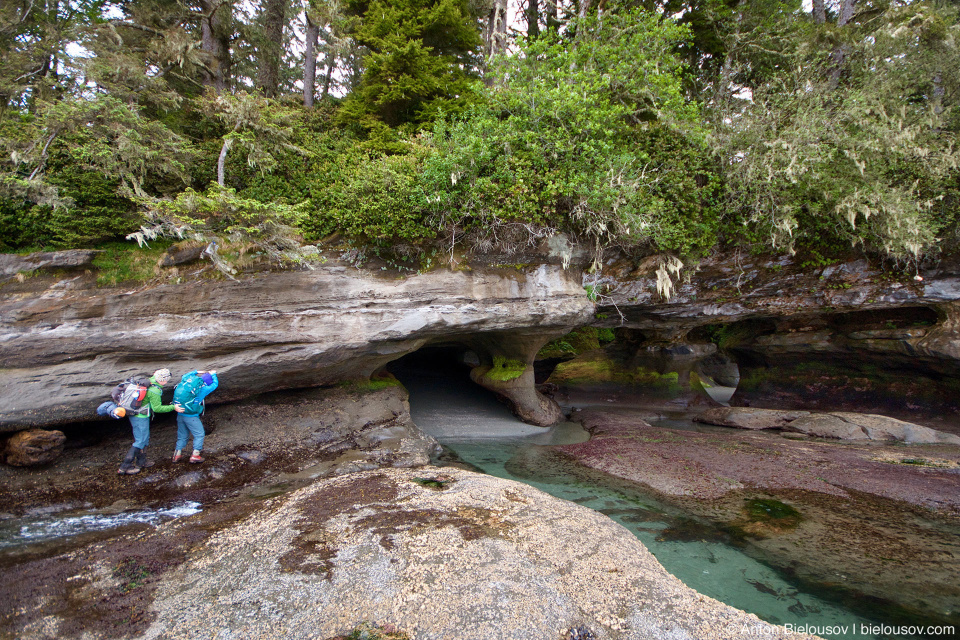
<point>136,459</point>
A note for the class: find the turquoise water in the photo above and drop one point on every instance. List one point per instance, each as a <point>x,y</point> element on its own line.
<point>481,432</point>
<point>712,568</point>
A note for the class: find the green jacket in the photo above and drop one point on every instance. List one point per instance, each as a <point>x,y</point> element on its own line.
<point>153,402</point>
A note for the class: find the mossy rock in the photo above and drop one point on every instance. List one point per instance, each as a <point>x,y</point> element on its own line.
<point>576,342</point>
<point>597,368</point>
<point>382,380</point>
<point>765,517</point>
<point>505,369</point>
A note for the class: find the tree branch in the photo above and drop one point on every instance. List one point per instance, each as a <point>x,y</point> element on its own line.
<point>140,27</point>
<point>43,155</point>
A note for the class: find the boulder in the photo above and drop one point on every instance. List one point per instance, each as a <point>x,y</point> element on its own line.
<point>748,418</point>
<point>859,426</point>
<point>11,263</point>
<point>182,253</point>
<point>839,425</point>
<point>435,553</point>
<point>34,447</point>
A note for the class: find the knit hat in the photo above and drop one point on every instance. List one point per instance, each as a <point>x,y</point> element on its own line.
<point>162,373</point>
<point>207,378</point>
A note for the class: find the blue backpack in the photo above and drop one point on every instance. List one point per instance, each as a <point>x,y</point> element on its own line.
<point>185,394</point>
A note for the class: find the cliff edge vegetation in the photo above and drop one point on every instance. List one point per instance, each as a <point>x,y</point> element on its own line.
<point>412,129</point>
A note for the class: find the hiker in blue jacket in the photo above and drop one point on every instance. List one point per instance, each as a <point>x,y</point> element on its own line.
<point>136,459</point>
<point>189,395</point>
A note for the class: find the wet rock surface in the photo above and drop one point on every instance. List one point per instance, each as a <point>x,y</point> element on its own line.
<point>840,425</point>
<point>479,558</point>
<point>858,426</point>
<point>874,517</point>
<point>749,418</point>
<point>101,584</point>
<point>277,440</point>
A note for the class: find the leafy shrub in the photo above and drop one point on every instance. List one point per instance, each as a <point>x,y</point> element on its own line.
<point>369,196</point>
<point>863,158</point>
<point>591,135</point>
<point>218,215</point>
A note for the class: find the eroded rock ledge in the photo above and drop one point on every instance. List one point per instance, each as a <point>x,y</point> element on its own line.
<point>61,350</point>
<point>839,425</point>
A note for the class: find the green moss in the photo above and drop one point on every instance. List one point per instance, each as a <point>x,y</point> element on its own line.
<point>601,369</point>
<point>576,342</point>
<point>371,631</point>
<point>766,510</point>
<point>123,262</point>
<point>437,483</point>
<point>381,381</point>
<point>131,574</point>
<point>504,370</point>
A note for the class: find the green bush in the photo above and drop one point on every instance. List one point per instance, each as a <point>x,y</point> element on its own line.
<point>591,135</point>
<point>368,196</point>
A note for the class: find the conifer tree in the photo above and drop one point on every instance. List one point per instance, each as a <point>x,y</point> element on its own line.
<point>423,60</point>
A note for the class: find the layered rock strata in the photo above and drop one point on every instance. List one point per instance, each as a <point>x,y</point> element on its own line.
<point>848,336</point>
<point>62,350</point>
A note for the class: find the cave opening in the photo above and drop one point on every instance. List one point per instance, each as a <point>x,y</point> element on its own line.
<point>445,402</point>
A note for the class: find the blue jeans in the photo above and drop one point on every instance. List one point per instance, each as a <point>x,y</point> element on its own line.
<point>141,431</point>
<point>189,426</point>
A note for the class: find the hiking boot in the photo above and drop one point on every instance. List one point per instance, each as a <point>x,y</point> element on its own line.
<point>129,464</point>
<point>196,458</point>
<point>141,460</point>
<point>177,455</point>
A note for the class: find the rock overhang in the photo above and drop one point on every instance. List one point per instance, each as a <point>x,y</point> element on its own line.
<point>62,350</point>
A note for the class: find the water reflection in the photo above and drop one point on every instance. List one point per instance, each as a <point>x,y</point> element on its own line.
<point>480,432</point>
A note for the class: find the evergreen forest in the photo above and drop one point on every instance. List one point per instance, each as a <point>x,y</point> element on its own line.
<point>674,127</point>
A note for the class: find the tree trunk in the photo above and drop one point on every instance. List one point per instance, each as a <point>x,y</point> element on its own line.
<point>533,18</point>
<point>215,32</point>
<point>495,33</point>
<point>331,59</point>
<point>268,69</point>
<point>846,12</point>
<point>584,8</point>
<point>553,22</point>
<point>310,63</point>
<point>222,162</point>
<point>839,55</point>
<point>819,12</point>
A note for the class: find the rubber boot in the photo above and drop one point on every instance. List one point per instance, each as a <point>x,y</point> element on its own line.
<point>142,461</point>
<point>129,464</point>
